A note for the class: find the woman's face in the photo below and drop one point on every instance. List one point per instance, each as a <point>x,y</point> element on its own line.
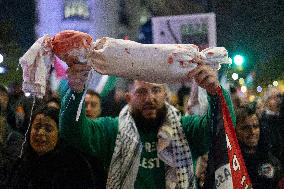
<point>44,134</point>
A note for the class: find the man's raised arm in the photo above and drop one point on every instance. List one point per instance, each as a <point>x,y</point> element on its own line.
<point>198,128</point>
<point>95,137</point>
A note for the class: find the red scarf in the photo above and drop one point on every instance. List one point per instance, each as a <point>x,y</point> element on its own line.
<point>239,172</point>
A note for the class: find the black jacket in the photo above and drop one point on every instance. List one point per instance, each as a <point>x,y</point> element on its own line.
<point>273,126</point>
<point>56,170</point>
<point>263,168</point>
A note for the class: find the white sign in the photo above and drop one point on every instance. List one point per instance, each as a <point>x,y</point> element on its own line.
<point>76,9</point>
<point>198,29</point>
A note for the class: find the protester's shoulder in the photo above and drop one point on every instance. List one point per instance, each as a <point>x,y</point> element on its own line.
<point>190,119</point>
<point>273,159</point>
<point>186,119</point>
<point>62,88</point>
<point>107,122</point>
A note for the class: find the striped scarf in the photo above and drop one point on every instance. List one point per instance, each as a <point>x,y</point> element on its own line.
<point>172,149</point>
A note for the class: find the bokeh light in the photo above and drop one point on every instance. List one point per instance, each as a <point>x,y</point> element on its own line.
<point>235,76</point>
<point>244,89</point>
<point>241,81</point>
<point>275,83</point>
<point>259,89</point>
<point>251,98</point>
<point>1,58</point>
<point>238,60</point>
<point>2,70</point>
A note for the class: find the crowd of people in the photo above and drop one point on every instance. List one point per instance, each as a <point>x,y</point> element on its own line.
<point>260,132</point>
<point>143,139</point>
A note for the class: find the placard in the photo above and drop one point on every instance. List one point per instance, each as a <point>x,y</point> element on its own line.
<point>198,29</point>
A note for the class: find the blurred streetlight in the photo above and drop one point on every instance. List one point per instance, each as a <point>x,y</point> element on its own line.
<point>244,89</point>
<point>1,58</point>
<point>2,70</point>
<point>251,98</point>
<point>235,76</point>
<point>275,83</point>
<point>239,60</point>
<point>241,81</point>
<point>259,89</point>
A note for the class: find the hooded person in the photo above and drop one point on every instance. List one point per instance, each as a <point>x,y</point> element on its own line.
<point>45,162</point>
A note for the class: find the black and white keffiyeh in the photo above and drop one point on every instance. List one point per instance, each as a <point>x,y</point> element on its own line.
<point>172,149</point>
<point>126,156</point>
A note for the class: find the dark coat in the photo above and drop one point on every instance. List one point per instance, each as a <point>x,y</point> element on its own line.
<point>61,168</point>
<point>263,167</point>
<point>273,126</point>
<point>264,170</point>
<point>56,170</point>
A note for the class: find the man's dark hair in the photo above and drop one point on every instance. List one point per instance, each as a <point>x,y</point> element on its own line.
<point>93,93</point>
<point>245,111</point>
<point>55,100</point>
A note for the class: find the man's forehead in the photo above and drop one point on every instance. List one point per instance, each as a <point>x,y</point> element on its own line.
<point>91,96</point>
<point>252,119</point>
<point>138,83</point>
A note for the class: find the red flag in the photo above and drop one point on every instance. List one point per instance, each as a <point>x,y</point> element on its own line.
<point>240,177</point>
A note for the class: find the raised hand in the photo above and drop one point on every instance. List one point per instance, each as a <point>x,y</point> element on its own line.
<point>206,78</point>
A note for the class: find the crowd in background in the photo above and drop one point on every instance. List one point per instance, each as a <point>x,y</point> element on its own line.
<point>259,129</point>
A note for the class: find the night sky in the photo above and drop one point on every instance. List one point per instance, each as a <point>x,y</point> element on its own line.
<point>19,16</point>
<point>251,25</point>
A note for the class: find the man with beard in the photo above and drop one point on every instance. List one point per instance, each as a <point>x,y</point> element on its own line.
<point>150,145</point>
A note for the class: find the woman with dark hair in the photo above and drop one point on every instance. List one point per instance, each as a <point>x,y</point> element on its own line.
<point>45,163</point>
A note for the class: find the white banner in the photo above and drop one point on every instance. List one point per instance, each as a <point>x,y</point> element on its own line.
<point>198,29</point>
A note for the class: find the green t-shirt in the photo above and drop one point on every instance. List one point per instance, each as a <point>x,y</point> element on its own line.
<point>97,137</point>
<point>151,171</point>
